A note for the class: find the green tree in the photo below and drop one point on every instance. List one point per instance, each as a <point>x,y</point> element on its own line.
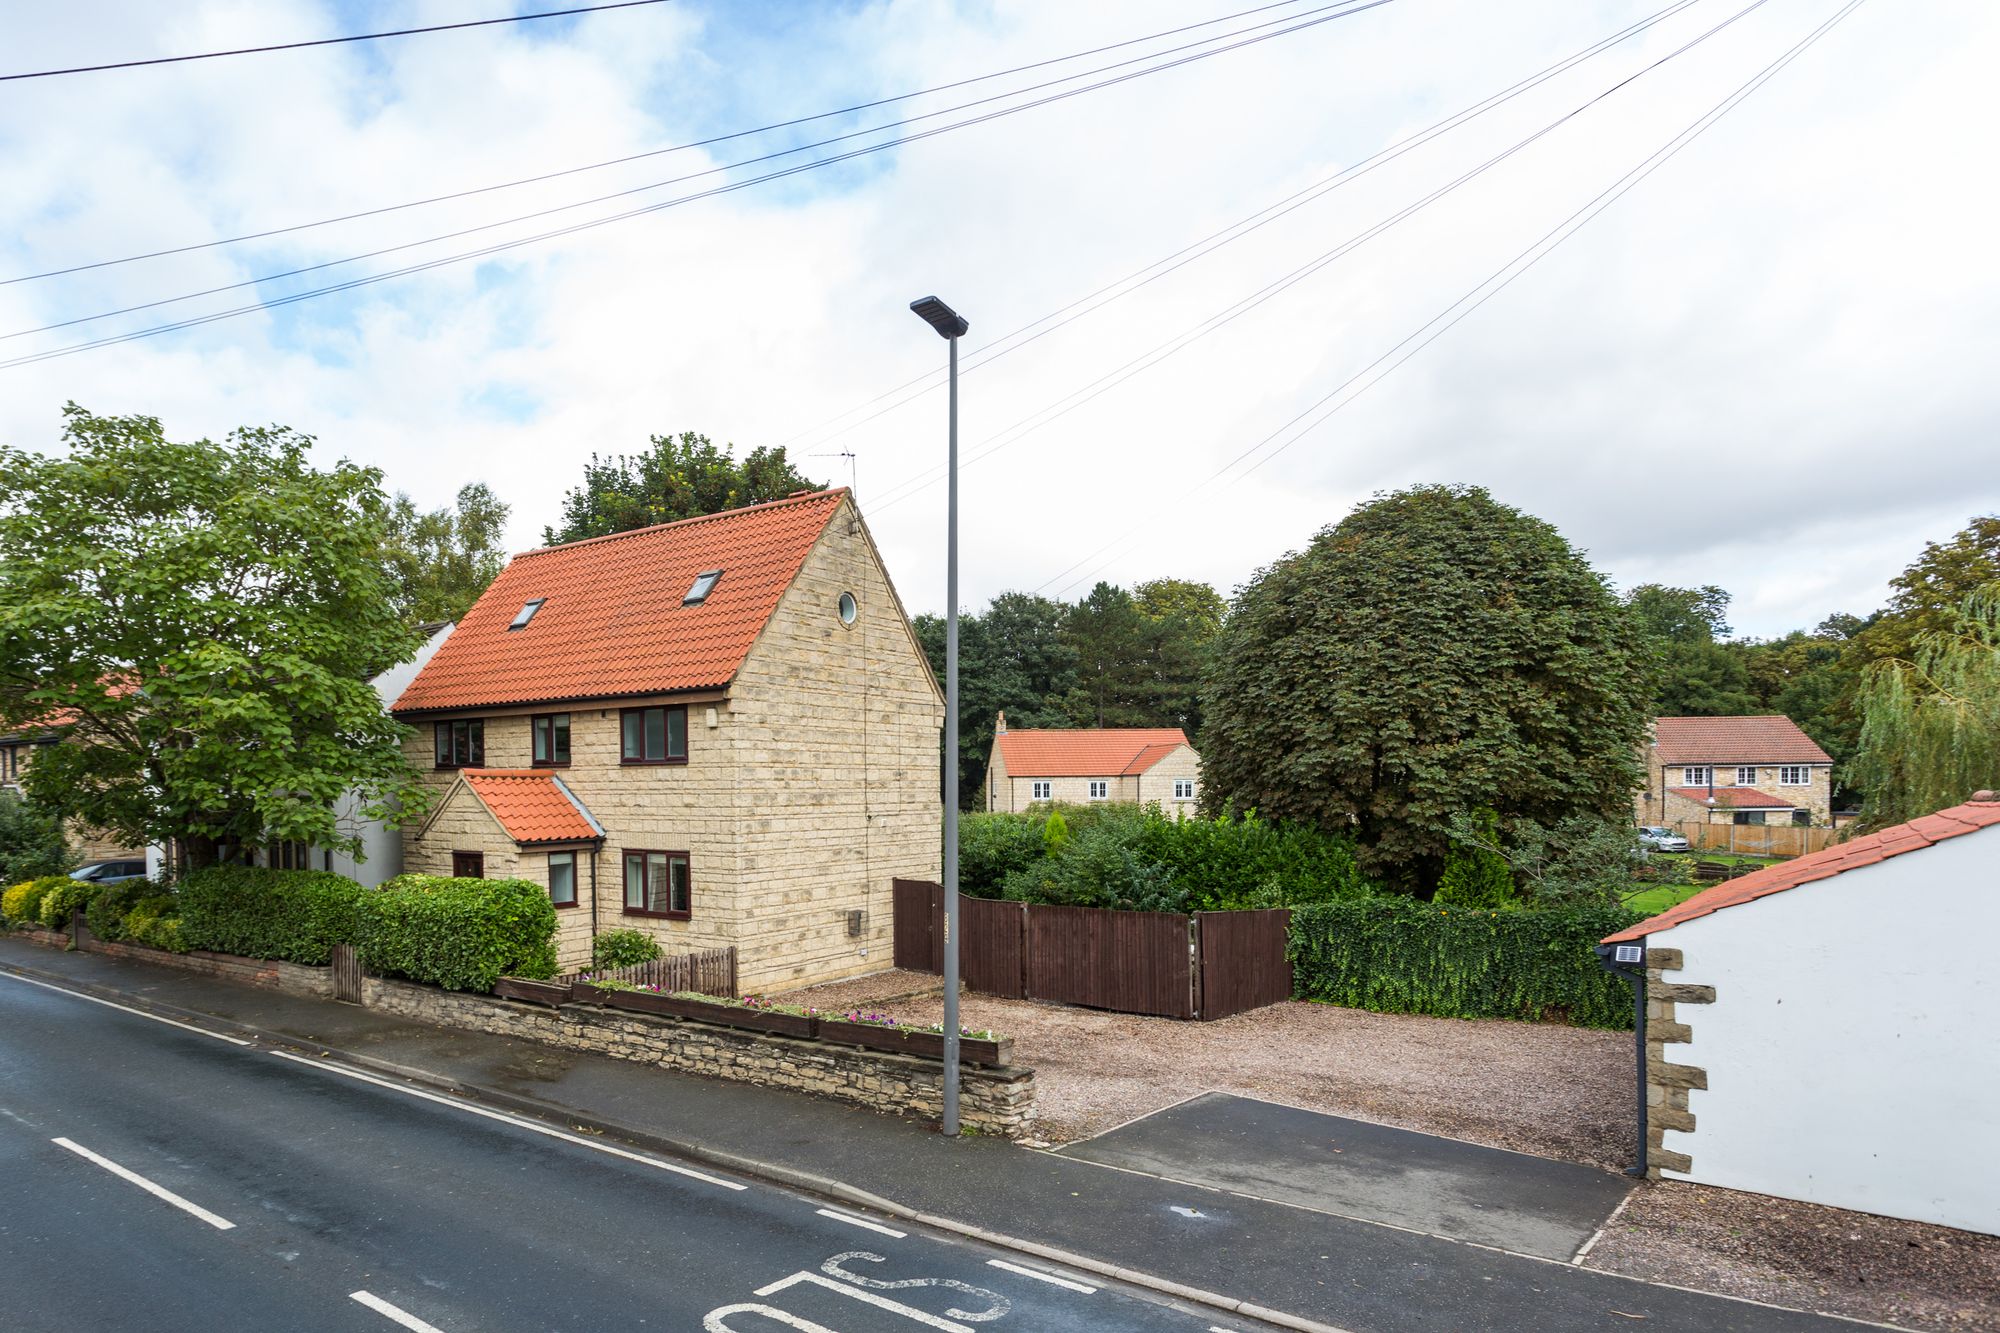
<point>1929,596</point>
<point>1198,605</point>
<point>442,559</point>
<point>1930,734</point>
<point>1476,875</point>
<point>32,843</point>
<point>677,476</point>
<point>1434,652</point>
<point>1693,674</point>
<point>203,616</point>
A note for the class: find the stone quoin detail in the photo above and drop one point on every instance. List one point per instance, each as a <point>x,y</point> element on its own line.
<point>1668,1085</point>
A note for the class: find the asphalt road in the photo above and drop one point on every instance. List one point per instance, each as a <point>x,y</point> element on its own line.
<point>154,1177</point>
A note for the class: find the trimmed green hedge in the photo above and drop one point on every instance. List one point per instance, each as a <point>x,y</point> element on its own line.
<point>294,915</point>
<point>108,910</point>
<point>1400,956</point>
<point>65,899</point>
<point>21,904</point>
<point>461,934</point>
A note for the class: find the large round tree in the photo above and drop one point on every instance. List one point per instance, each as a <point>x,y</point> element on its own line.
<point>1435,653</point>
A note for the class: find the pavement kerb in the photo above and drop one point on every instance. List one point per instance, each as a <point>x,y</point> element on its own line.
<point>788,1177</point>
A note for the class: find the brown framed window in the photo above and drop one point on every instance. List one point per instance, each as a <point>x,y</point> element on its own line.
<point>562,878</point>
<point>290,856</point>
<point>468,865</point>
<point>653,735</point>
<point>461,743</point>
<point>659,884</point>
<point>551,731</point>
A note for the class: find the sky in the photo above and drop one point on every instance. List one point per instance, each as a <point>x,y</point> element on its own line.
<point>1767,366</point>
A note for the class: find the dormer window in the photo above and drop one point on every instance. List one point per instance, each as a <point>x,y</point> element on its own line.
<point>704,584</point>
<point>527,613</point>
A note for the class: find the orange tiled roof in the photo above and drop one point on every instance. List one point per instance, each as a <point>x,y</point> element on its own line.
<point>1733,798</point>
<point>613,623</point>
<point>532,805</point>
<point>1983,811</point>
<point>1769,739</point>
<point>1100,752</point>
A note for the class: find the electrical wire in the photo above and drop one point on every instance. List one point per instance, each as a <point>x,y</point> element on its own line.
<point>1477,296</point>
<point>1326,14</point>
<point>328,41</point>
<point>978,356</point>
<point>1062,407</point>
<point>638,157</point>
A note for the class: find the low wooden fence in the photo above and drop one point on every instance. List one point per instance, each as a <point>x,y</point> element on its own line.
<point>1205,965</point>
<point>706,972</point>
<point>1755,839</point>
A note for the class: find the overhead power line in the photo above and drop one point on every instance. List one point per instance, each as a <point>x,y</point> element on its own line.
<point>1352,7</point>
<point>328,41</point>
<point>650,153</point>
<point>1160,352</point>
<point>1431,330</point>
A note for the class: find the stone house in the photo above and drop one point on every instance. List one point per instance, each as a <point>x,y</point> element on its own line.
<point>1743,770</point>
<point>719,731</point>
<point>1135,765</point>
<point>18,749</point>
<point>1822,1029</point>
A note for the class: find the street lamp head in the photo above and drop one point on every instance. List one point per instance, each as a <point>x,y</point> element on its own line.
<point>948,322</point>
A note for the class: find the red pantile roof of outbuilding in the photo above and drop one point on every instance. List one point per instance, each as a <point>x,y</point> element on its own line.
<point>612,622</point>
<point>1982,811</point>
<point>1769,739</point>
<point>1733,798</point>
<point>1098,752</point>
<point>531,805</point>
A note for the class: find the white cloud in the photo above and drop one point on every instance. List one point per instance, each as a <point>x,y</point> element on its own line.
<point>1766,368</point>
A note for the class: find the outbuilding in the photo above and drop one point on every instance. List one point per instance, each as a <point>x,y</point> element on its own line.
<point>1824,1029</point>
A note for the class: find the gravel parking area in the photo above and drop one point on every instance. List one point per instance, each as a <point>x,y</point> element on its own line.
<point>1805,1256</point>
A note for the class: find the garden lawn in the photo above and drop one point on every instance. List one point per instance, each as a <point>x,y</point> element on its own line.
<point>1660,897</point>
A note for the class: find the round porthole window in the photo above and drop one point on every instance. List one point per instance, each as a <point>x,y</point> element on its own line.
<point>848,608</point>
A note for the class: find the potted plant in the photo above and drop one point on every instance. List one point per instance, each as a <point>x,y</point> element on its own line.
<point>881,1032</point>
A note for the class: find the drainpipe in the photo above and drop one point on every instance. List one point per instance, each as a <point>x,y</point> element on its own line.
<point>1633,970</point>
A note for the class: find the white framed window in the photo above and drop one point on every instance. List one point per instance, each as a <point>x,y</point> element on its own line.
<point>1700,776</point>
<point>1041,791</point>
<point>1795,775</point>
<point>1746,776</point>
<point>1100,789</point>
<point>1183,789</point>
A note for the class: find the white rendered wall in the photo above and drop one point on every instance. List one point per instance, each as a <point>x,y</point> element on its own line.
<point>1853,1049</point>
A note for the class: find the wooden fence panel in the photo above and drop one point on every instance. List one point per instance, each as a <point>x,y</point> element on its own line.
<point>993,946</point>
<point>1756,839</point>
<point>1131,962</point>
<point>706,972</point>
<point>918,925</point>
<point>346,968</point>
<point>1242,962</point>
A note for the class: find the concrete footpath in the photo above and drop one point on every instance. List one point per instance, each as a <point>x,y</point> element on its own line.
<point>1284,1263</point>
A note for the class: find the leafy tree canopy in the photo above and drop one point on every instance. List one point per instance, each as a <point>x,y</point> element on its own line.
<point>1435,652</point>
<point>202,616</point>
<point>1930,735</point>
<point>442,559</point>
<point>677,476</point>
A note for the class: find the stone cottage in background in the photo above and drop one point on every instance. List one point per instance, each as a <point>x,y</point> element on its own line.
<point>1135,765</point>
<point>720,731</point>
<point>1741,770</point>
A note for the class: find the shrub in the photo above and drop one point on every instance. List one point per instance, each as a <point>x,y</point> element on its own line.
<point>1399,956</point>
<point>1475,874</point>
<point>293,915</point>
<point>32,842</point>
<point>461,934</point>
<point>991,847</point>
<point>21,905</point>
<point>155,921</point>
<point>622,948</point>
<point>108,910</point>
<point>65,897</point>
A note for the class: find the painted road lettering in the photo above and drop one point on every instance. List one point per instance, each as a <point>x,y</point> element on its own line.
<point>841,1276</point>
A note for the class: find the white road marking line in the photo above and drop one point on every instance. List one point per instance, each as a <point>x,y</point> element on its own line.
<point>158,1191</point>
<point>108,1004</point>
<point>1040,1276</point>
<point>1217,1328</point>
<point>861,1222</point>
<point>392,1313</point>
<point>881,1302</point>
<point>517,1121</point>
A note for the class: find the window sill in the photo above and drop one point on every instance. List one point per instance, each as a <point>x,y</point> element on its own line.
<point>548,763</point>
<point>660,916</point>
<point>652,763</point>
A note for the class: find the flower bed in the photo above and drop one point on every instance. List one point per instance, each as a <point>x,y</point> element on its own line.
<point>879,1032</point>
<point>751,1013</point>
<point>535,992</point>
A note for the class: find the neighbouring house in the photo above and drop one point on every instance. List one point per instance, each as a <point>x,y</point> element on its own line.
<point>1135,765</point>
<point>720,731</point>
<point>1741,770</point>
<point>18,749</point>
<point>1827,1034</point>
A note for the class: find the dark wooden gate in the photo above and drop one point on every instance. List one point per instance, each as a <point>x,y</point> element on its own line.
<point>993,955</point>
<point>919,910</point>
<point>1134,962</point>
<point>346,974</point>
<point>1241,962</point>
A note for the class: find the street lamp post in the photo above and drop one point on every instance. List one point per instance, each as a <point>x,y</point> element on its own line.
<point>951,326</point>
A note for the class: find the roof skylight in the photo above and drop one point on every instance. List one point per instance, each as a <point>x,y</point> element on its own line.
<point>527,613</point>
<point>704,584</point>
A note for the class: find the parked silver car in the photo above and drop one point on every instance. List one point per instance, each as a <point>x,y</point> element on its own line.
<point>109,872</point>
<point>1660,838</point>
